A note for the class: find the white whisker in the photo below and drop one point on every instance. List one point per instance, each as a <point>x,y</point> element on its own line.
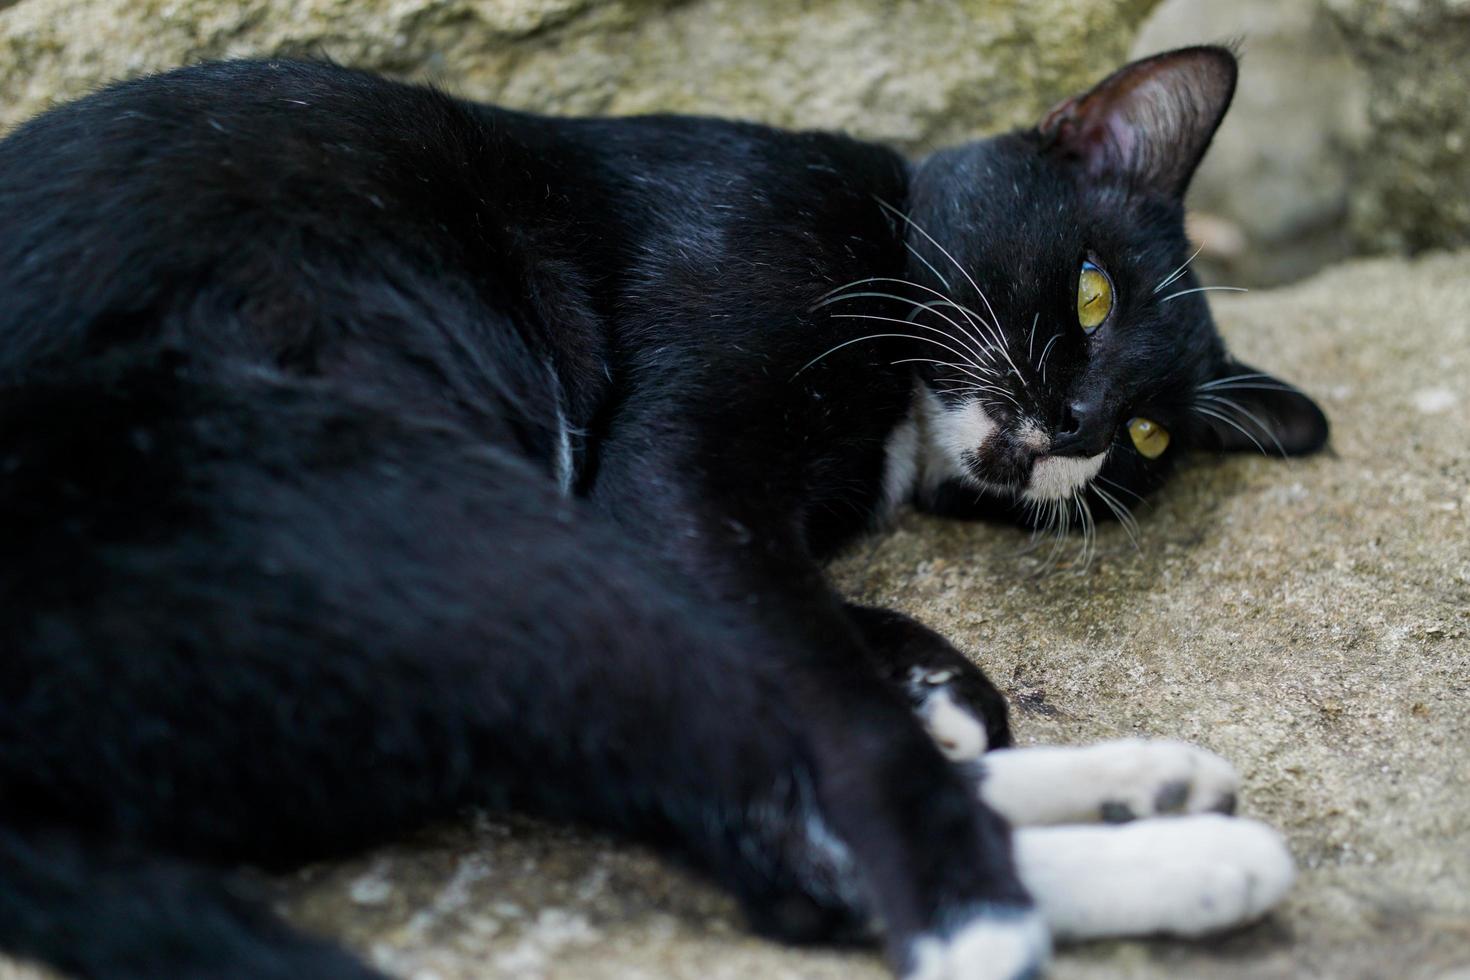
<point>867,279</point>
<point>944,251</point>
<point>956,384</point>
<point>1089,530</point>
<point>1118,486</point>
<point>995,321</point>
<point>928,265</point>
<point>1253,381</point>
<point>1251,386</point>
<point>978,341</point>
<point>1251,376</point>
<point>972,381</point>
<point>828,297</point>
<point>1232,423</point>
<point>978,345</point>
<point>1126,519</point>
<point>909,323</point>
<point>1041,366</point>
<point>873,294</point>
<point>1233,405</point>
<point>871,336</point>
<point>1064,527</point>
<point>1173,276</point>
<point>1055,528</point>
<point>1204,289</point>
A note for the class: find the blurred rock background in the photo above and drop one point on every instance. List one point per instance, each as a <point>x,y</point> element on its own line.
<point>1412,186</point>
<point>1349,134</point>
<point>911,72</point>
<point>1271,201</point>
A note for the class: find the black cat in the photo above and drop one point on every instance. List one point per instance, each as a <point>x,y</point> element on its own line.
<point>366,454</point>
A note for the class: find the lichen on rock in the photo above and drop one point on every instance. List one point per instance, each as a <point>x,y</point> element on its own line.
<point>1413,180</point>
<point>912,73</point>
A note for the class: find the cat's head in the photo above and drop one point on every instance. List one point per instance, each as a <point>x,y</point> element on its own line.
<point>1068,346</point>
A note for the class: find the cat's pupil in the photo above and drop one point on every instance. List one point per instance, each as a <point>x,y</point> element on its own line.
<point>1094,297</point>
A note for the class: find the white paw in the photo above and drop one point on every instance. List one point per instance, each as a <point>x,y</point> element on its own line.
<point>1110,781</point>
<point>955,729</point>
<point>1183,877</point>
<point>995,944</point>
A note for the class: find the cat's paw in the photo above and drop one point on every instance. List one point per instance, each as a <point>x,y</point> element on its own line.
<point>1112,782</point>
<point>953,725</point>
<point>1185,877</point>
<point>994,944</point>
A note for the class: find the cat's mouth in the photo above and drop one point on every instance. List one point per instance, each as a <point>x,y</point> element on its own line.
<point>1008,463</point>
<point>1013,459</point>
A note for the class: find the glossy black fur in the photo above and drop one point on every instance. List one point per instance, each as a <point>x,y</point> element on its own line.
<point>294,559</point>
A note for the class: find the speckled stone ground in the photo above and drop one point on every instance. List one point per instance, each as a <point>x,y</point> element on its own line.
<point>1308,620</point>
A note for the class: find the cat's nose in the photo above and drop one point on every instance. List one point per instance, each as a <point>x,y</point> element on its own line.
<point>1085,430</point>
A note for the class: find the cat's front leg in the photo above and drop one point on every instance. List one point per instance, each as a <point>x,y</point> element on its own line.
<point>893,822</point>
<point>961,709</point>
<point>1180,876</point>
<point>1131,837</point>
<point>1112,782</point>
<point>1086,848</point>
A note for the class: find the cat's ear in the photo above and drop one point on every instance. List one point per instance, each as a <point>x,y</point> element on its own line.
<point>1148,123</point>
<point>1246,410</point>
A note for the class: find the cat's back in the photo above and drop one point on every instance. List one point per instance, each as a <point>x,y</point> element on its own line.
<point>256,190</point>
<point>228,139</point>
<point>320,221</point>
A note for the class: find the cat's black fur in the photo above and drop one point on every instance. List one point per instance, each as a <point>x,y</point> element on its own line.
<point>366,454</point>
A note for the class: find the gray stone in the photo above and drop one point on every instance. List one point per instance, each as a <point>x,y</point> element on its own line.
<point>912,73</point>
<point>1308,620</point>
<point>1412,188</point>
<point>1280,169</point>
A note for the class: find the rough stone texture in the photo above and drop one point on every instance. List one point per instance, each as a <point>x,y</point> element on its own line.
<point>910,72</point>
<point>1280,168</point>
<point>1309,620</point>
<point>1411,188</point>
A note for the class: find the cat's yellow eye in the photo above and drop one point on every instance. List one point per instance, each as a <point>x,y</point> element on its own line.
<point>1094,297</point>
<point>1149,438</point>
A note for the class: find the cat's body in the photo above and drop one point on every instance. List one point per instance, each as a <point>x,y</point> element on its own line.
<point>366,454</point>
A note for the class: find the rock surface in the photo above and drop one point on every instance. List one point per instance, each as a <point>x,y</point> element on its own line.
<point>1308,620</point>
<point>1280,170</point>
<point>911,73</point>
<point>1411,183</point>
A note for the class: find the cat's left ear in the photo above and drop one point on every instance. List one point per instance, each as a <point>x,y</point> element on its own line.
<point>1148,123</point>
<point>1246,410</point>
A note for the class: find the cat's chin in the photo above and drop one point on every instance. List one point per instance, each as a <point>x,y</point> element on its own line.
<point>1052,478</point>
<point>1061,477</point>
<point>1047,478</point>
